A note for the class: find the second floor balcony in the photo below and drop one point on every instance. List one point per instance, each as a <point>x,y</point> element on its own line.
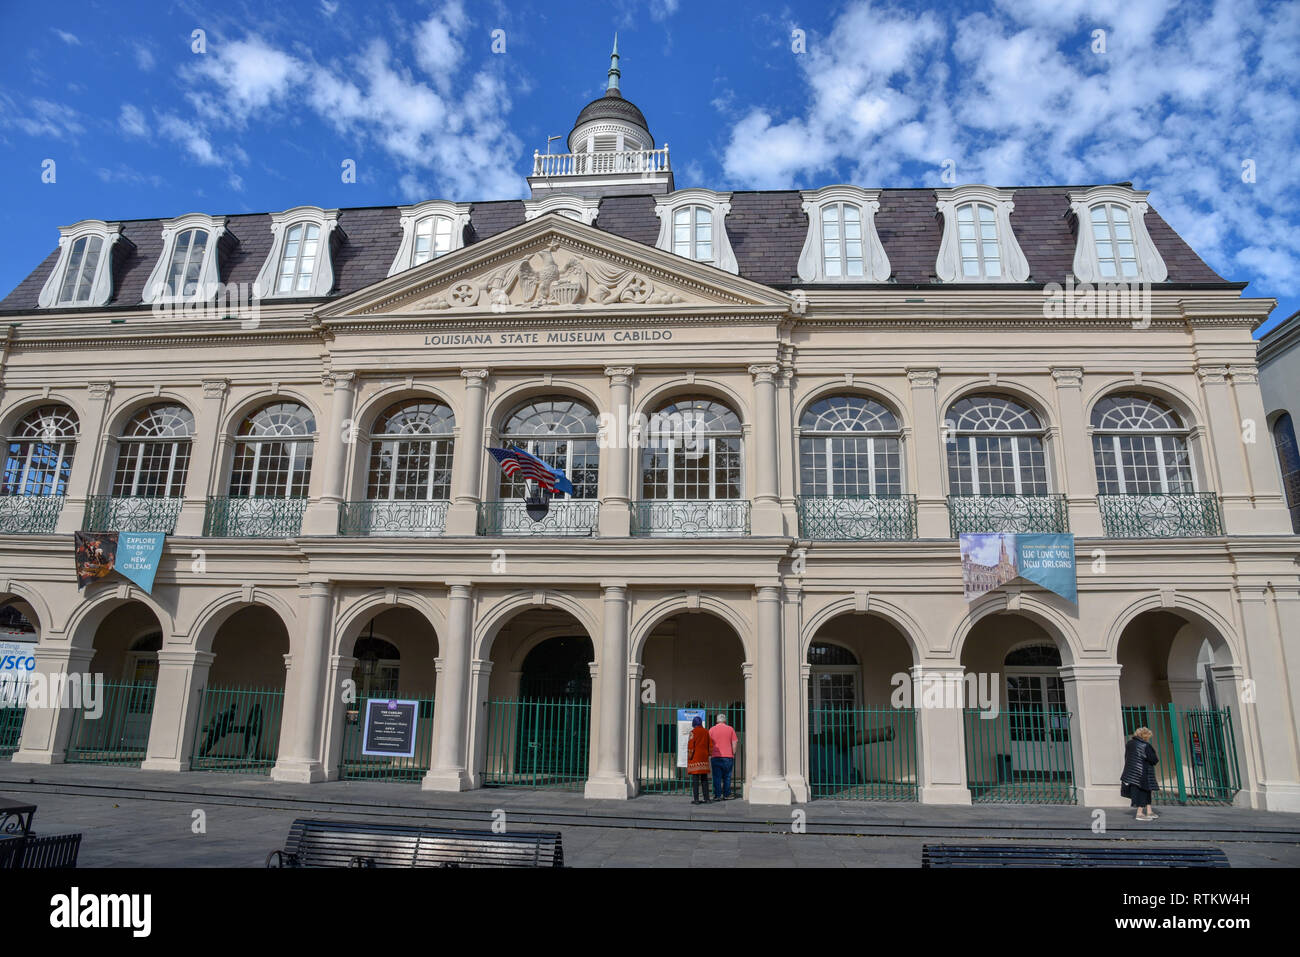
<point>1185,515</point>
<point>29,514</point>
<point>1023,514</point>
<point>396,518</point>
<point>690,518</point>
<point>131,513</point>
<point>857,518</point>
<point>564,517</point>
<point>255,517</point>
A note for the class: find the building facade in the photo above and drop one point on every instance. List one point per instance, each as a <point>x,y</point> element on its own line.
<point>300,401</point>
<point>1279,380</point>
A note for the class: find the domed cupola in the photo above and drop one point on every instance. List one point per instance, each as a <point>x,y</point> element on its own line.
<point>611,150</point>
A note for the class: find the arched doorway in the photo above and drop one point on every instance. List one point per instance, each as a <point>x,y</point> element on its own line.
<point>862,735</point>
<point>1019,729</point>
<point>242,703</point>
<point>538,728</point>
<point>691,666</point>
<point>18,636</point>
<point>1174,680</point>
<point>112,727</point>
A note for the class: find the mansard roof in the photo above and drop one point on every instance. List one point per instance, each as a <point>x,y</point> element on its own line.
<point>767,230</point>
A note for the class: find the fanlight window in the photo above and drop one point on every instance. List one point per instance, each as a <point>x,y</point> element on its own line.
<point>411,452</point>
<point>79,275</point>
<point>995,447</point>
<point>842,240</point>
<point>186,263</point>
<point>301,247</point>
<point>825,653</point>
<point>273,452</point>
<point>977,235</point>
<point>39,460</point>
<point>703,462</point>
<point>432,239</point>
<point>1113,234</point>
<point>1139,447</point>
<point>153,455</point>
<point>562,433</point>
<point>849,447</point>
<point>693,232</point>
<point>1288,456</point>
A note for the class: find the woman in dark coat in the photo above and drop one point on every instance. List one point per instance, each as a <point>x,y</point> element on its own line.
<point>1139,777</point>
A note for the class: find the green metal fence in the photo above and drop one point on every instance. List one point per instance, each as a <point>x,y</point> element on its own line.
<point>863,754</point>
<point>1019,757</point>
<point>118,731</point>
<point>354,765</point>
<point>1007,513</point>
<point>537,743</point>
<point>11,727</point>
<point>657,767</point>
<point>238,730</point>
<point>29,514</point>
<point>857,518</point>
<point>1197,752</point>
<point>578,517</point>
<point>690,518</point>
<point>1188,515</point>
<point>236,517</point>
<point>415,518</point>
<point>115,513</point>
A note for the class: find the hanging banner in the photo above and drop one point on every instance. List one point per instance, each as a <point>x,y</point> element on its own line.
<point>138,554</point>
<point>685,717</point>
<point>991,559</point>
<point>96,553</point>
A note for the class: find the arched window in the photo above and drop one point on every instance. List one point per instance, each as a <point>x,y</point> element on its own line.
<point>995,447</point>
<point>1288,456</point>
<point>1139,447</point>
<point>82,268</point>
<point>39,461</point>
<point>154,453</point>
<point>298,261</point>
<point>849,447</point>
<point>562,433</point>
<point>273,453</point>
<point>186,263</point>
<point>977,236</point>
<point>432,238</point>
<point>1036,705</point>
<point>698,461</point>
<point>693,232</point>
<point>410,452</point>
<point>1112,234</point>
<point>842,241</point>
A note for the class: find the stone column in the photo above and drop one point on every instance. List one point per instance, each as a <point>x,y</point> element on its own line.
<point>938,695</point>
<point>767,519</point>
<point>205,449</point>
<point>1096,732</point>
<point>1270,516</point>
<point>322,515</point>
<point>616,458</point>
<point>467,466</point>
<point>182,676</point>
<point>927,451</point>
<point>336,709</point>
<point>1266,697</point>
<point>86,459</point>
<point>610,779</point>
<point>1074,447</point>
<point>769,784</point>
<point>304,701</point>
<point>1226,451</point>
<point>46,729</point>
<point>449,770</point>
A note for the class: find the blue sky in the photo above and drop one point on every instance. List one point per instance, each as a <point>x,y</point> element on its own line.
<point>1185,100</point>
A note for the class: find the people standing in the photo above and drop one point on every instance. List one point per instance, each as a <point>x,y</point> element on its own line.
<point>698,750</point>
<point>722,751</point>
<point>1139,777</point>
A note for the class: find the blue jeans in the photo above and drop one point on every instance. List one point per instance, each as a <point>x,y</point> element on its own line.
<point>722,776</point>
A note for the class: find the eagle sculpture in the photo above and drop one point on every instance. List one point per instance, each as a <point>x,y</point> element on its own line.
<point>540,280</point>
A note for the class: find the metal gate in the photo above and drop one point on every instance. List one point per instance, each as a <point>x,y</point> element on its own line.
<point>238,730</point>
<point>657,767</point>
<point>119,733</point>
<point>353,765</point>
<point>863,754</point>
<point>1020,756</point>
<point>538,743</point>
<point>1197,752</point>
<point>13,708</point>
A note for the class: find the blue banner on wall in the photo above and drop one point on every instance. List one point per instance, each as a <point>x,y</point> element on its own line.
<point>991,559</point>
<point>1048,560</point>
<point>138,554</point>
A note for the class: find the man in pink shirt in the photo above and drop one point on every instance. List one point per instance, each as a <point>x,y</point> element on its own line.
<point>722,757</point>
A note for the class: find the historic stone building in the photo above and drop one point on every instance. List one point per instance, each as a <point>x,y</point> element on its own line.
<point>300,400</point>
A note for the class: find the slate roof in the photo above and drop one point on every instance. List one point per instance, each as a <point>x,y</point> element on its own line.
<point>767,230</point>
<point>611,106</point>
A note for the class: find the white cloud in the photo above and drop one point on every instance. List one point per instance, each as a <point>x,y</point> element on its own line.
<point>329,8</point>
<point>71,39</point>
<point>662,9</point>
<point>132,121</point>
<point>144,57</point>
<point>41,118</point>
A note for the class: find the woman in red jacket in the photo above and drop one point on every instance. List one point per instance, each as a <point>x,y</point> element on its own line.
<point>697,761</point>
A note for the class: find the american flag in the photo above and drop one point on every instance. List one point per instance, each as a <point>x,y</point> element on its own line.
<point>516,460</point>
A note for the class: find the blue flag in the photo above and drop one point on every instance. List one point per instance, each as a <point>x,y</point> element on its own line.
<point>138,554</point>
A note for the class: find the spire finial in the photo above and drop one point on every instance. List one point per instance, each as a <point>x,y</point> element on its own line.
<point>612,85</point>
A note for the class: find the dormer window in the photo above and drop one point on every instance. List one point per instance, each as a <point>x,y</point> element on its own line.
<point>429,230</point>
<point>842,244</point>
<point>1113,245</point>
<point>978,242</point>
<point>299,263</point>
<point>187,268</point>
<point>692,223</point>
<point>83,274</point>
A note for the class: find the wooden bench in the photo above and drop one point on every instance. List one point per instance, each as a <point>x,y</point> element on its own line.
<point>32,852</point>
<point>1074,855</point>
<point>317,843</point>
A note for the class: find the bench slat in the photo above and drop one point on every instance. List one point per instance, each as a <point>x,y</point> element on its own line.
<point>1011,855</point>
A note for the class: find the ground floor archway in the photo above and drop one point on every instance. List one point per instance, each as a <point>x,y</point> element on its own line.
<point>19,632</point>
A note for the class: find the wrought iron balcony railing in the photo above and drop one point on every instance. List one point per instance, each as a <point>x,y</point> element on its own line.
<point>611,161</point>
<point>1188,515</point>
<point>1007,513</point>
<point>134,513</point>
<point>569,516</point>
<point>690,518</point>
<point>394,518</point>
<point>230,517</point>
<point>29,514</point>
<point>857,518</point>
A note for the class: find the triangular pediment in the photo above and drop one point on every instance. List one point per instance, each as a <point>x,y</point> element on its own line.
<point>557,265</point>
